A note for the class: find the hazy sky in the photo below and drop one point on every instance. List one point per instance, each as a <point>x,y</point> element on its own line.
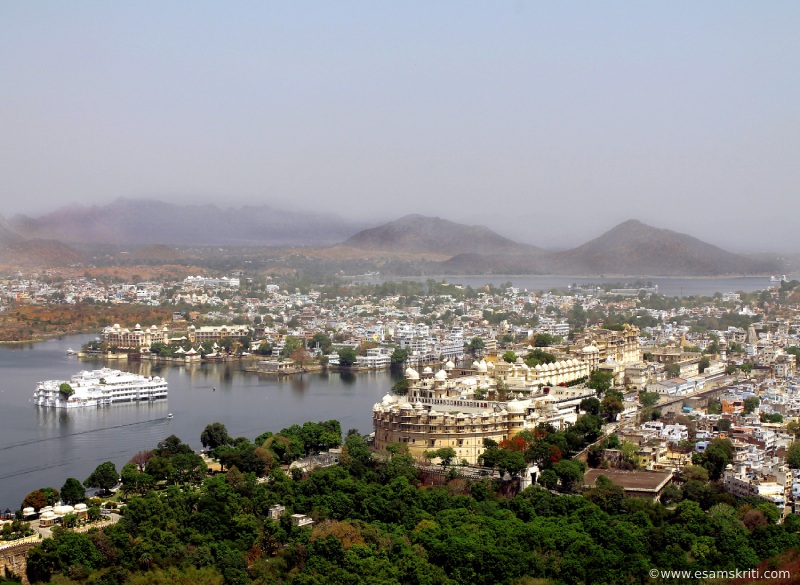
<point>548,121</point>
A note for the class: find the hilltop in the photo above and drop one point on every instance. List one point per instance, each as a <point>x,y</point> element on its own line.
<point>633,247</point>
<point>419,233</point>
<point>143,222</point>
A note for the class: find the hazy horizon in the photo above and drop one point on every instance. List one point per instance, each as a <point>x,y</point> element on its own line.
<point>548,123</point>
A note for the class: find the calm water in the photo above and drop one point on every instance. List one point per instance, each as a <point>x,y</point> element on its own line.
<point>672,287</point>
<point>43,447</point>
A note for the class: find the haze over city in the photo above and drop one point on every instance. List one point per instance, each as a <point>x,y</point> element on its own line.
<point>549,123</point>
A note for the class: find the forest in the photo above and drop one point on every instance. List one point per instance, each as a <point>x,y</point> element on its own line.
<point>375,522</point>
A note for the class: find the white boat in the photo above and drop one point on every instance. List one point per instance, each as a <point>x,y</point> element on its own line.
<point>71,351</point>
<point>169,416</point>
<point>101,387</point>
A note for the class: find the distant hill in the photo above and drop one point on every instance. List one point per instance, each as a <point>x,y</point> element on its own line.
<point>39,253</point>
<point>143,222</point>
<point>633,248</point>
<point>419,233</point>
<point>7,235</point>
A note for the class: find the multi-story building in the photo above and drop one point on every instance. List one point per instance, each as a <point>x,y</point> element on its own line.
<point>461,411</point>
<point>209,333</point>
<point>135,338</point>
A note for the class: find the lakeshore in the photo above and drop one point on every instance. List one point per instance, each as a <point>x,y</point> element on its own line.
<point>43,447</point>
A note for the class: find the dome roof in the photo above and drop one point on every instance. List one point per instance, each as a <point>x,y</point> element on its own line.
<point>482,366</point>
<point>427,370</point>
<point>61,510</point>
<point>412,374</point>
<point>449,365</point>
<point>590,349</point>
<point>518,360</point>
<point>515,407</point>
<point>441,375</point>
<point>475,364</point>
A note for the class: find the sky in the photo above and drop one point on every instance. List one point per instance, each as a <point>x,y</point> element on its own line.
<point>549,122</point>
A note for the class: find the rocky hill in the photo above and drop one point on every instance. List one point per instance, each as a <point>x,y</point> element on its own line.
<point>143,222</point>
<point>39,253</point>
<point>418,233</point>
<point>633,248</point>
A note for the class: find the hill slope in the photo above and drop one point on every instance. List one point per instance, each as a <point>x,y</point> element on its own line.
<point>633,248</point>
<point>418,233</point>
<point>143,222</point>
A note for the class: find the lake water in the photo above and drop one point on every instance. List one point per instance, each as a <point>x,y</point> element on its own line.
<point>673,287</point>
<point>43,447</point>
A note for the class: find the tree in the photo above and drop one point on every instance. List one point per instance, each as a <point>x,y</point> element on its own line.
<point>73,492</point>
<point>36,500</point>
<point>446,454</point>
<point>215,435</point>
<point>705,362</point>
<point>476,346</point>
<point>611,406</point>
<point>399,356</point>
<point>323,342</point>
<point>793,455</point>
<point>543,340</point>
<point>600,381</point>
<point>400,387</point>
<point>509,357</point>
<point>648,399</point>
<point>569,473</point>
<point>347,356</point>
<point>104,476</point>
<point>673,370</point>
<point>750,404</point>
<point>590,405</point>
<point>300,356</point>
<point>290,344</point>
<point>66,390</point>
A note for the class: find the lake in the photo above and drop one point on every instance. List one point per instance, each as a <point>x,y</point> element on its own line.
<point>43,447</point>
<point>672,287</point>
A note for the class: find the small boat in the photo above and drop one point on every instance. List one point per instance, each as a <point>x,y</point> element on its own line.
<point>169,416</point>
<point>71,351</point>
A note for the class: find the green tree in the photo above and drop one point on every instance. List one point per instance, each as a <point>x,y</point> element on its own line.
<point>750,404</point>
<point>290,344</point>
<point>399,356</point>
<point>600,381</point>
<point>73,492</point>
<point>104,476</point>
<point>590,405</point>
<point>648,399</point>
<point>611,407</point>
<point>214,435</point>
<point>476,346</point>
<point>66,390</point>
<point>673,370</point>
<point>509,357</point>
<point>793,455</point>
<point>347,356</point>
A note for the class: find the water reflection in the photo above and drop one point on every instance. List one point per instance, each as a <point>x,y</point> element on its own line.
<point>42,447</point>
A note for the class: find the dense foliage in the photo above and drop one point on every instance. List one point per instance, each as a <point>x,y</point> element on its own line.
<point>375,524</point>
